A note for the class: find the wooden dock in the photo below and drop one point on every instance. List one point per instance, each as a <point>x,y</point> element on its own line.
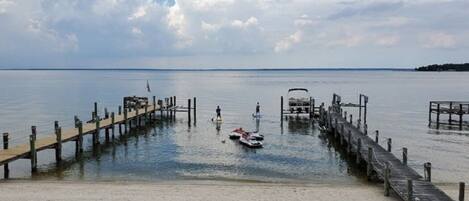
<point>380,163</point>
<point>125,120</point>
<point>449,109</point>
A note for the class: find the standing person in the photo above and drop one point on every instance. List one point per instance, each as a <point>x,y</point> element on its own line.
<point>218,110</point>
<point>258,109</point>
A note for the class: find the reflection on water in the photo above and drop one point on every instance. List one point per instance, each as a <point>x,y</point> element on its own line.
<point>170,150</point>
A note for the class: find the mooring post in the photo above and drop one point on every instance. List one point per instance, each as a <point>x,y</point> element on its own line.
<point>171,107</point>
<point>359,146</point>
<point>113,119</point>
<point>365,129</point>
<point>154,107</point>
<point>366,109</point>
<point>358,124</point>
<point>336,127</point>
<point>430,113</point>
<point>450,112</point>
<point>428,171</point>
<point>120,110</point>
<point>56,125</point>
<point>6,169</point>
<point>460,116</point>
<point>345,116</point>
<point>369,167</point>
<point>145,116</point>
<point>96,133</point>
<point>351,119</point>
<point>175,104</point>
<point>310,107</point>
<point>80,138</point>
<point>360,107</point>
<point>125,120</point>
<point>387,172</point>
<point>377,136</point>
<point>410,190</point>
<point>195,109</point>
<point>461,191</point>
<point>96,111</point>
<point>58,146</point>
<point>32,146</point>
<point>189,110</point>
<point>389,144</point>
<point>106,113</point>
<point>404,155</point>
<point>281,107</point>
<point>438,116</point>
<point>76,120</point>
<point>137,117</point>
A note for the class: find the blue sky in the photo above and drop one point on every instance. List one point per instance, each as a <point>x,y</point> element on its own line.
<point>232,33</point>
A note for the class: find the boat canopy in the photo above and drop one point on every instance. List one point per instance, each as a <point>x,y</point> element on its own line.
<point>298,89</point>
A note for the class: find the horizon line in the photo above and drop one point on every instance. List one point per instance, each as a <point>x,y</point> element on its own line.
<point>219,69</point>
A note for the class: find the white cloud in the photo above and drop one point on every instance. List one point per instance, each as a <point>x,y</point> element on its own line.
<point>209,27</point>
<point>4,4</point>
<point>136,31</point>
<point>177,21</point>
<point>387,41</point>
<point>252,21</point>
<point>140,12</point>
<point>204,5</point>
<point>439,40</point>
<point>287,43</point>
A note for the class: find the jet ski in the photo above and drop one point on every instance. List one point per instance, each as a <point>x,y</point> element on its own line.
<point>250,135</point>
<point>246,140</point>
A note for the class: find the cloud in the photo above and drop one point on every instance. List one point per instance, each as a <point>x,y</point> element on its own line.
<point>387,41</point>
<point>252,21</point>
<point>287,43</point>
<point>4,5</point>
<point>439,40</point>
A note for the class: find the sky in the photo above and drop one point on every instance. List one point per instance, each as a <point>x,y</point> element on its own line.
<point>232,33</point>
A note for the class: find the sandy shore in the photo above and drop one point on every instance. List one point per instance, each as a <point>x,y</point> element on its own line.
<point>117,191</point>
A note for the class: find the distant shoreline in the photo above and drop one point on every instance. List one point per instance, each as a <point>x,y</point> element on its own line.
<point>207,69</point>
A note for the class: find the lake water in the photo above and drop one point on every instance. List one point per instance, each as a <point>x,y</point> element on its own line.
<point>296,152</point>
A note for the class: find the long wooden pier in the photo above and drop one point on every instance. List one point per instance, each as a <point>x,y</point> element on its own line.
<point>125,120</point>
<point>379,162</point>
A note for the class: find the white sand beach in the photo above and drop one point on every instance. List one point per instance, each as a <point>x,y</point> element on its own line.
<point>119,191</point>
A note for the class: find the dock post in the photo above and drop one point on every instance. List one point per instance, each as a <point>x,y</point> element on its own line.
<point>450,112</point>
<point>175,104</point>
<point>281,107</point>
<point>189,110</point>
<point>428,171</point>
<point>430,114</point>
<point>145,116</point>
<point>137,117</point>
<point>76,120</point>
<point>120,110</point>
<point>194,110</point>
<point>311,109</point>
<point>154,108</point>
<point>336,128</point>
<point>56,125</point>
<point>58,146</point>
<point>80,138</point>
<point>377,136</point>
<point>95,110</point>
<point>125,120</point>
<point>360,107</point>
<point>460,116</point>
<point>387,172</point>
<point>113,119</point>
<point>358,124</point>
<point>359,147</point>
<point>389,144</point>
<point>366,109</point>
<point>351,119</point>
<point>438,116</point>
<point>32,146</point>
<point>96,133</point>
<point>345,116</point>
<point>161,108</point>
<point>6,169</point>
<point>106,113</point>
<point>365,129</point>
<point>369,167</point>
<point>410,190</point>
<point>171,107</point>
<point>404,155</point>
<point>461,191</point>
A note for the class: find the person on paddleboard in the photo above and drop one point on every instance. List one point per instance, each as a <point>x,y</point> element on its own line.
<point>218,112</point>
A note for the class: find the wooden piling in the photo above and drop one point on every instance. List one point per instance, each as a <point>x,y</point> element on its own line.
<point>281,107</point>
<point>450,118</point>
<point>461,191</point>
<point>195,109</point>
<point>377,136</point>
<point>154,107</point>
<point>365,109</point>
<point>438,116</point>
<point>56,125</point>
<point>6,169</point>
<point>404,155</point>
<point>125,120</point>
<point>175,104</point>
<point>460,116</point>
<point>351,119</point>
<point>387,172</point>
<point>389,144</point>
<point>345,115</point>
<point>189,110</point>
<point>32,146</point>
<point>369,166</point>
<point>58,146</point>
<point>349,150</point>
<point>430,114</point>
<point>80,138</point>
<point>96,133</point>
<point>95,111</point>
<point>137,118</point>
<point>428,171</point>
<point>410,190</point>
<point>113,121</point>
<point>365,129</point>
<point>171,107</point>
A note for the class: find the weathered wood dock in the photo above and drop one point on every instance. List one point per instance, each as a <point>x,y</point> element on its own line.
<point>380,163</point>
<point>126,119</point>
<point>449,109</point>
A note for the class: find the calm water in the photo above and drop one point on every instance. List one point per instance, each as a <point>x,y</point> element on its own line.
<point>173,151</point>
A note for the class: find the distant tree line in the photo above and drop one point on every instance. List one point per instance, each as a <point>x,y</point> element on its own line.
<point>444,67</point>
